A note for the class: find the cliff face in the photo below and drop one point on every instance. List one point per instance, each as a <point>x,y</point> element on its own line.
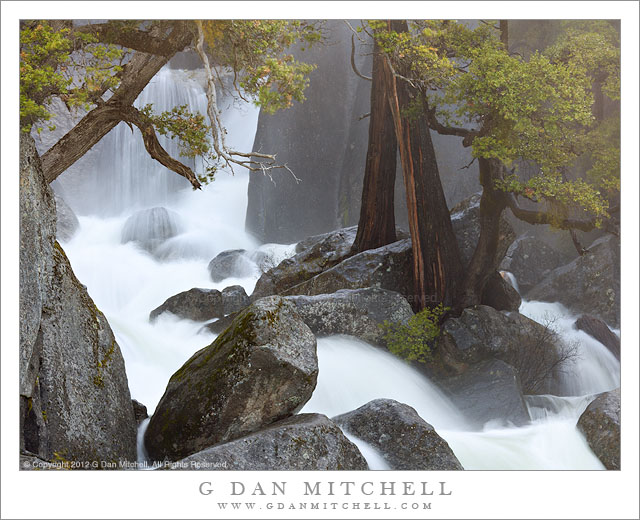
<point>323,142</point>
<point>74,396</point>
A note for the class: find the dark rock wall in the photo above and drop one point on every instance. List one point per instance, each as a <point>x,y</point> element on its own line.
<point>323,143</point>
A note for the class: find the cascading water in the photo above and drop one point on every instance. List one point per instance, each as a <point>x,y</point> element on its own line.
<point>127,281</point>
<point>124,279</point>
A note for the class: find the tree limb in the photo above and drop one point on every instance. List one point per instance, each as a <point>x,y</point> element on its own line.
<point>131,38</point>
<point>543,217</point>
<point>132,115</point>
<point>353,60</point>
<point>434,124</point>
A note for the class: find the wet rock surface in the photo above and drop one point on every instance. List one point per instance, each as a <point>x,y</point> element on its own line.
<point>305,442</point>
<point>600,424</point>
<point>489,391</point>
<point>358,312</point>
<point>388,267</point>
<point>589,285</point>
<point>319,254</point>
<point>74,395</point>
<point>530,260</point>
<point>598,329</point>
<point>500,294</point>
<point>400,435</point>
<point>482,333</point>
<point>262,369</point>
<point>203,304</point>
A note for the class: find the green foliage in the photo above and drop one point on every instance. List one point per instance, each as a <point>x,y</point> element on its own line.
<point>59,62</point>
<point>538,108</point>
<point>414,340</point>
<point>188,127</point>
<point>256,51</point>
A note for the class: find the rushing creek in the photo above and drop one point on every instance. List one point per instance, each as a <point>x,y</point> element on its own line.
<point>127,283</point>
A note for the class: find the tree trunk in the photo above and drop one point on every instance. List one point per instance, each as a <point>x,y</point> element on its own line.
<point>376,226</point>
<point>437,268</point>
<point>482,263</point>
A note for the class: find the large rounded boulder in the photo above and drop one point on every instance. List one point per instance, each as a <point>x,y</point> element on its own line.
<point>305,442</point>
<point>590,284</point>
<point>400,435</point>
<point>261,369</point>
<point>600,424</point>
<point>150,228</point>
<point>357,312</point>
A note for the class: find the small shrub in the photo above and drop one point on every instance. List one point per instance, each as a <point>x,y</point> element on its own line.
<point>414,341</point>
<point>540,356</point>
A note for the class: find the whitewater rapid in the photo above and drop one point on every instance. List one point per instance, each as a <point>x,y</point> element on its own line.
<point>127,283</point>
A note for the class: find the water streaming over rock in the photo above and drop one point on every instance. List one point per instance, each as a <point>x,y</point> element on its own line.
<point>127,281</point>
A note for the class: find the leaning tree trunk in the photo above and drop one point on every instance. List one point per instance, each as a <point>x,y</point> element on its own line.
<point>376,226</point>
<point>437,267</point>
<point>482,264</point>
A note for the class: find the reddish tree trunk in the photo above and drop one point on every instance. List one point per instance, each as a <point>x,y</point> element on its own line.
<point>437,268</point>
<point>376,226</point>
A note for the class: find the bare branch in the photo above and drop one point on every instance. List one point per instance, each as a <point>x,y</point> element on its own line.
<point>469,165</point>
<point>353,60</point>
<point>227,155</point>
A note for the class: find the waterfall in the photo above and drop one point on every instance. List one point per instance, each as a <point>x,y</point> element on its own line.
<point>128,281</point>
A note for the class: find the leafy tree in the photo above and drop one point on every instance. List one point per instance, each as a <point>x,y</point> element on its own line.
<point>510,108</point>
<point>103,67</point>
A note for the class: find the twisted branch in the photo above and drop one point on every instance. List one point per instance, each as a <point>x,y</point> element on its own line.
<point>229,156</point>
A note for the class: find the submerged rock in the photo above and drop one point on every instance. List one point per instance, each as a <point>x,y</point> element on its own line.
<point>150,228</point>
<point>598,329</point>
<point>74,397</point>
<point>306,442</point>
<point>530,260</point>
<point>230,263</point>
<point>262,369</point>
<point>322,253</point>
<point>203,304</point>
<point>400,435</point>
<point>590,284</point>
<point>488,391</point>
<point>600,424</point>
<point>358,312</point>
